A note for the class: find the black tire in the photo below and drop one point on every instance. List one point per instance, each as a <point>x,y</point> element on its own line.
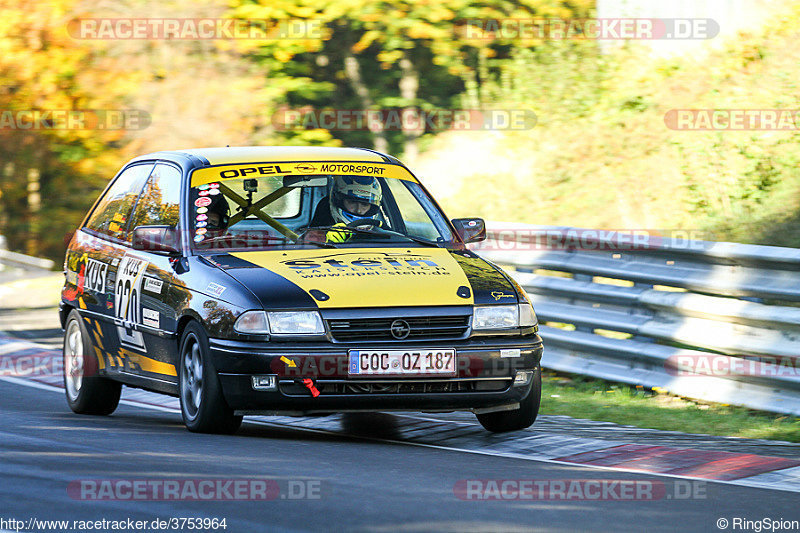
<point>203,407</point>
<point>525,416</point>
<point>87,393</point>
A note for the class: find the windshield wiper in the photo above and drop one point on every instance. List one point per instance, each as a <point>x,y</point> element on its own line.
<point>422,241</point>
<point>377,230</point>
<point>315,243</point>
<point>283,240</point>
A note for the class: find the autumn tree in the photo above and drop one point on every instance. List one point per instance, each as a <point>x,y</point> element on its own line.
<point>409,55</point>
<point>46,166</point>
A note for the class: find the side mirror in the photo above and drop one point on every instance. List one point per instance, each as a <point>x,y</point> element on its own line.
<point>158,239</point>
<point>470,229</point>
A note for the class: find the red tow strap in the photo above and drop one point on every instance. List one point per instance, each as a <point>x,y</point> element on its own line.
<point>309,383</point>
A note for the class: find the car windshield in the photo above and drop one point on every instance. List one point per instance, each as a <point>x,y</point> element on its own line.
<point>248,211</point>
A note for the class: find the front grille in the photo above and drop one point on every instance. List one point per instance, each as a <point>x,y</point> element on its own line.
<point>379,329</point>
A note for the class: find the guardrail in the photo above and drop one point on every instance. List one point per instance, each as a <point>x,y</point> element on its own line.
<point>713,321</point>
<point>24,262</point>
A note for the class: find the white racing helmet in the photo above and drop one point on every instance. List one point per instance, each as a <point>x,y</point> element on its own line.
<point>362,189</point>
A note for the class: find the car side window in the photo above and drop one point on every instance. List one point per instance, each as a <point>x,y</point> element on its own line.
<point>111,215</point>
<point>159,204</point>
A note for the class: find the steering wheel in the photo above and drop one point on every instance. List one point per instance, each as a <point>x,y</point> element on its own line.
<point>363,222</point>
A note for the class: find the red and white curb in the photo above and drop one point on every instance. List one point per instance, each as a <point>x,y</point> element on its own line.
<point>746,469</point>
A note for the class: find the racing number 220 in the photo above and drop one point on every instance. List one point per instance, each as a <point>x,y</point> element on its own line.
<point>127,302</point>
<point>129,281</point>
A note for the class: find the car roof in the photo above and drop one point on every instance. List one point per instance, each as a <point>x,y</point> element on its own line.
<point>258,154</point>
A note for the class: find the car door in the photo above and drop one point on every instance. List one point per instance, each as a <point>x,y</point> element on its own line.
<point>144,279</point>
<point>93,259</point>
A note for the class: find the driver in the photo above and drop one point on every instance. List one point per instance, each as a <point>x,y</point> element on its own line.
<point>355,197</point>
<point>352,198</point>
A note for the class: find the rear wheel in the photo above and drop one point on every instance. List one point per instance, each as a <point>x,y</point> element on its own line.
<point>203,407</point>
<point>87,393</point>
<point>521,418</point>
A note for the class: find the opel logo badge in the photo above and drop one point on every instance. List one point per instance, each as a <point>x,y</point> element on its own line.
<point>400,329</point>
<point>303,167</point>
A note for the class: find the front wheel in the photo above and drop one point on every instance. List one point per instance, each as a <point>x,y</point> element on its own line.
<point>203,407</point>
<point>87,393</point>
<point>521,418</point>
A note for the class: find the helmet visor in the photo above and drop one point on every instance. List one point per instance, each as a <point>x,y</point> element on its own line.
<point>358,208</point>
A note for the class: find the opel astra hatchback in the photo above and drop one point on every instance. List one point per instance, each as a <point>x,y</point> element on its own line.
<point>290,280</point>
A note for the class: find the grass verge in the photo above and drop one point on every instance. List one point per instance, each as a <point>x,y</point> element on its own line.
<point>584,397</point>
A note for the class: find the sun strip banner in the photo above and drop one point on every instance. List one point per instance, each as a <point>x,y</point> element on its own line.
<point>220,173</point>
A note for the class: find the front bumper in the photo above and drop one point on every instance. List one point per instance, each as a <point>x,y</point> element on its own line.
<point>483,381</point>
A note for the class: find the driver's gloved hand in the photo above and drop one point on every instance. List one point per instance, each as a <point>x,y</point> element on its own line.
<point>334,236</point>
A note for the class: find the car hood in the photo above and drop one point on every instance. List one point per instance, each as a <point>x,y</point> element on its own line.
<point>367,277</point>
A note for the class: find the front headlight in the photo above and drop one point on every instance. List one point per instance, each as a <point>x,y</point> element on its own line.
<point>496,317</point>
<point>280,323</point>
<point>504,317</point>
<point>252,323</point>
<point>295,323</point>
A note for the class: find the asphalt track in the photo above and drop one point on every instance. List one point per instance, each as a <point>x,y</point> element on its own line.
<point>382,472</point>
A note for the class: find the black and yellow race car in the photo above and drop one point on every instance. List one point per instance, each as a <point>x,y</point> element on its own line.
<point>290,280</point>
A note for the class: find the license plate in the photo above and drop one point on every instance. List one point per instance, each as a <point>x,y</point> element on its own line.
<point>402,362</point>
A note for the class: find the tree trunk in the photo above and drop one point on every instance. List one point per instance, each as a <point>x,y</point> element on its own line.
<point>352,70</point>
<point>409,85</point>
<point>34,203</point>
